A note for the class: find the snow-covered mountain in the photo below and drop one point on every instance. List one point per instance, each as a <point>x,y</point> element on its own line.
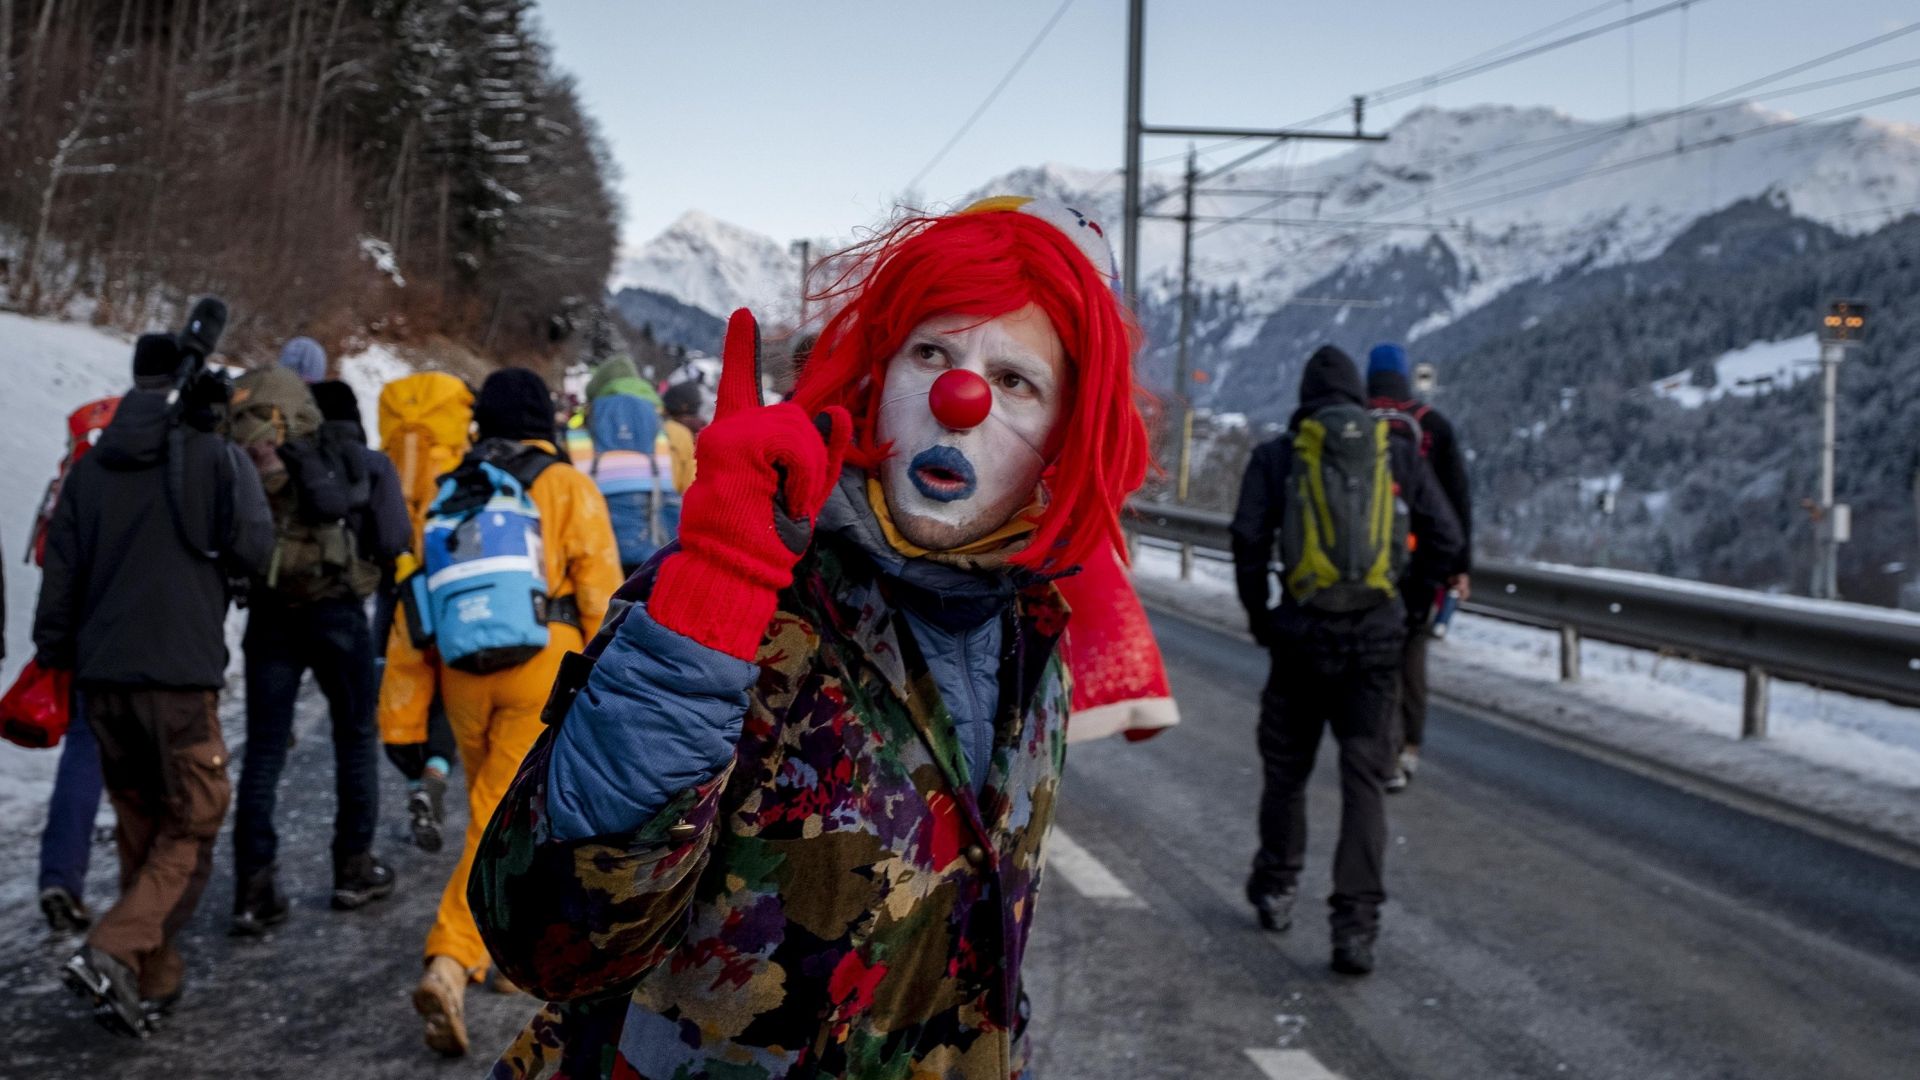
<point>1499,194</point>
<point>715,266</point>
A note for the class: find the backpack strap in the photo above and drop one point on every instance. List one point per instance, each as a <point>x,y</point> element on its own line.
<point>518,460</point>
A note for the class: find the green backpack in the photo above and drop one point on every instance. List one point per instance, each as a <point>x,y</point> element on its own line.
<point>1344,537</point>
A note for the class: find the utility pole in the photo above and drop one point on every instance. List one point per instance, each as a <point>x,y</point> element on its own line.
<point>1183,357</point>
<point>1130,229</point>
<point>1841,330</point>
<point>804,249</point>
<point>1137,129</point>
<point>1182,364</point>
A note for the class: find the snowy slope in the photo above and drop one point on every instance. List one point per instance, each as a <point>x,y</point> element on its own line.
<point>1760,368</point>
<point>56,367</point>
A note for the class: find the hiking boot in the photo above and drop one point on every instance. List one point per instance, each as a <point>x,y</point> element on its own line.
<point>159,1009</point>
<point>110,987</point>
<point>440,999</point>
<point>1353,953</point>
<point>258,904</point>
<point>425,811</point>
<point>359,881</point>
<point>1397,783</point>
<point>1273,909</point>
<point>1410,761</point>
<point>64,911</point>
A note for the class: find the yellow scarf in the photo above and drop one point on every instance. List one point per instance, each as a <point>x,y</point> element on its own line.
<point>1005,540</point>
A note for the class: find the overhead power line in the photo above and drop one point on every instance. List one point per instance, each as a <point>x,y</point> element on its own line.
<point>993,94</point>
<point>1582,140</point>
<point>1335,114</point>
<point>1617,130</point>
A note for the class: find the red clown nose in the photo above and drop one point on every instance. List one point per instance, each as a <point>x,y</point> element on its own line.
<point>960,400</point>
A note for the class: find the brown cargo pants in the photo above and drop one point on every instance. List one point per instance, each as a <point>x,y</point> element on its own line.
<point>164,763</point>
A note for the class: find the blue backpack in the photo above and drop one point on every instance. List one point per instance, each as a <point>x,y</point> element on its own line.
<point>485,583</point>
<point>630,472</point>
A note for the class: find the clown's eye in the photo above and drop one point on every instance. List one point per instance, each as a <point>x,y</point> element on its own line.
<point>929,352</point>
<point>1011,381</point>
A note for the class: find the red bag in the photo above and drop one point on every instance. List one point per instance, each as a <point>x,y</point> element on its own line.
<point>84,426</point>
<point>1119,678</point>
<point>34,713</point>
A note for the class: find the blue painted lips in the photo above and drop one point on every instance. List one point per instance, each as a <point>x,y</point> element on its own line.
<point>942,474</point>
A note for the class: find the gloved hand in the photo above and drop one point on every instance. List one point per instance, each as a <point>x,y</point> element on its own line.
<point>765,472</point>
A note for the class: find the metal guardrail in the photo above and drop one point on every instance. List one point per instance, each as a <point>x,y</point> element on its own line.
<point>1852,648</point>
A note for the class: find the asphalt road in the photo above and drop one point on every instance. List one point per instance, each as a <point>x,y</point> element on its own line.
<point>1550,916</point>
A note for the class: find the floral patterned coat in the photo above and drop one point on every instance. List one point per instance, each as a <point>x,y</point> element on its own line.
<point>836,903</point>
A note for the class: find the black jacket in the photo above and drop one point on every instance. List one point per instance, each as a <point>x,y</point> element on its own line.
<point>134,590</point>
<point>1374,636</point>
<point>1449,463</point>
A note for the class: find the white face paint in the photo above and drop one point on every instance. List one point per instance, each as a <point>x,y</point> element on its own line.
<point>948,487</point>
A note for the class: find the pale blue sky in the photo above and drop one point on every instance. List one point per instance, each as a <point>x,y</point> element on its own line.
<point>810,117</point>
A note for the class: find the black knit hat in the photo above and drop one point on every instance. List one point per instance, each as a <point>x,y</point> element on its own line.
<point>514,404</point>
<point>156,356</point>
<point>336,400</point>
<point>683,399</point>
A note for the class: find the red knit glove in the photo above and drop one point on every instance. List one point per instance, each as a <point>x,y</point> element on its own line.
<point>764,473</point>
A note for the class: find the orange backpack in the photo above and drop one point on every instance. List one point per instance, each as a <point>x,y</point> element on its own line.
<point>424,420</point>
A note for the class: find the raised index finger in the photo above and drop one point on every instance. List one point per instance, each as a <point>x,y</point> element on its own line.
<point>739,366</point>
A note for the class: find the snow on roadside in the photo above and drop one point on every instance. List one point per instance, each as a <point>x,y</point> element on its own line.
<point>56,367</point>
<point>1871,739</point>
<point>367,371</point>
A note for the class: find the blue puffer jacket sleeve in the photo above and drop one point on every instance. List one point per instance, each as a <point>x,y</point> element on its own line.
<point>661,713</point>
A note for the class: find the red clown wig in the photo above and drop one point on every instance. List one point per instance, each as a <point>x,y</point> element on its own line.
<point>987,264</point>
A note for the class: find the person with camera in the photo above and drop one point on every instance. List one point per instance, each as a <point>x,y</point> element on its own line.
<point>151,529</point>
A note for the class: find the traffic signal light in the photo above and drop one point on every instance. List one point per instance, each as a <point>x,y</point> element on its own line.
<point>1846,320</point>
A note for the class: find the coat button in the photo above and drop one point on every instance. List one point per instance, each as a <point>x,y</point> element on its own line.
<point>976,855</point>
<point>682,831</point>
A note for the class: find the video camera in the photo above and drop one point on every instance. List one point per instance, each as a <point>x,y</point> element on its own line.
<point>202,392</point>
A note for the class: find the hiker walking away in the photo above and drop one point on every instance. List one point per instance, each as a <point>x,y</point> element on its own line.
<point>686,407</point>
<point>307,614</point>
<point>630,462</point>
<point>306,358</point>
<point>424,431</point>
<point>66,844</point>
<point>150,528</point>
<point>512,591</point>
<point>1391,394</point>
<point>1341,496</point>
<point>791,821</point>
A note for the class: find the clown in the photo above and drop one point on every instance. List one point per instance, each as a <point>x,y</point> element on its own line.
<point>791,816</point>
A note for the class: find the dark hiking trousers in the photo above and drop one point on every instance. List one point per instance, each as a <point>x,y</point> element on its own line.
<point>1356,701</point>
<point>165,766</point>
<point>1412,708</point>
<point>66,846</point>
<point>332,639</point>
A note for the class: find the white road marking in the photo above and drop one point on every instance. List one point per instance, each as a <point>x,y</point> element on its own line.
<point>1085,873</point>
<point>1289,1065</point>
